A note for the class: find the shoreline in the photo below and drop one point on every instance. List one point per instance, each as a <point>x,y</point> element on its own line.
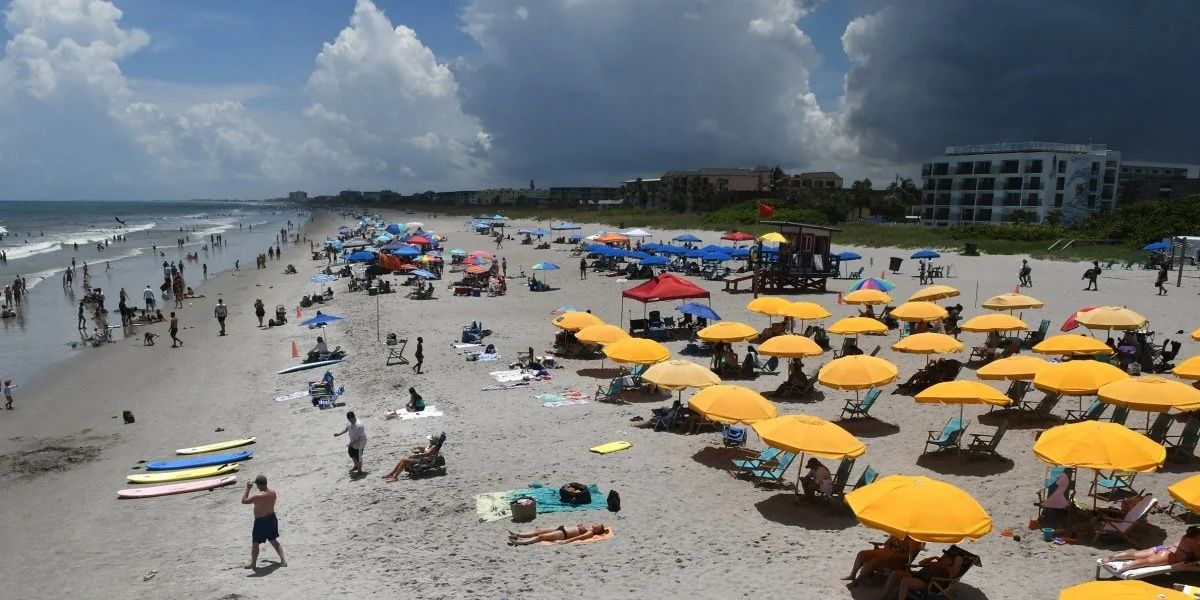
<point>682,513</point>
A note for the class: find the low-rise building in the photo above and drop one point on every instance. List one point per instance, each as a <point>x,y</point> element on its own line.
<point>1007,182</point>
<point>298,196</point>
<point>819,180</point>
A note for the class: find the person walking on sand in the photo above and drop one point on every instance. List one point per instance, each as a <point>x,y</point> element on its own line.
<point>82,319</point>
<point>420,354</point>
<point>1092,275</point>
<point>357,442</point>
<point>582,269</point>
<point>266,525</point>
<point>220,311</point>
<point>174,331</point>
<point>8,388</point>
<point>1161,283</point>
<point>1025,274</point>
<point>260,311</point>
<point>148,296</point>
<point>204,267</point>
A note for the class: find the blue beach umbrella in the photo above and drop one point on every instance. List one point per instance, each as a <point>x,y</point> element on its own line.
<point>407,250</point>
<point>655,261</point>
<point>423,274</point>
<point>740,252</point>
<point>395,228</point>
<point>525,231</point>
<point>1156,247</point>
<point>925,254</point>
<point>361,256</point>
<point>321,278</point>
<point>540,232</point>
<point>638,254</point>
<point>545,266</point>
<point>716,256</point>
<point>702,311</point>
<point>848,256</point>
<point>320,320</point>
<point>457,252</point>
<point>695,254</point>
<point>685,237</point>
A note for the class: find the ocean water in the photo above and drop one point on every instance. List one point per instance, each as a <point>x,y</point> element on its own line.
<point>41,237</point>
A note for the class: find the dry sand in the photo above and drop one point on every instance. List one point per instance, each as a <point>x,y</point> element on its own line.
<point>686,529</point>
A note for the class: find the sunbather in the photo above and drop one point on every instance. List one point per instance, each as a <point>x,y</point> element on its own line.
<point>1185,551</point>
<point>415,402</point>
<point>894,553</point>
<point>563,534</point>
<point>902,581</point>
<point>430,451</point>
<point>817,479</point>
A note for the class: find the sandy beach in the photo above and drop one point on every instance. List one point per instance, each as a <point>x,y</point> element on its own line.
<point>686,528</point>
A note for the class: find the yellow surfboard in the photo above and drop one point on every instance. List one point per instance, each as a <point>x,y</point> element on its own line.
<point>217,446</point>
<point>611,447</point>
<point>183,475</point>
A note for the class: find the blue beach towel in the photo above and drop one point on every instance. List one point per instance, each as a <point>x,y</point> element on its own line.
<point>549,502</point>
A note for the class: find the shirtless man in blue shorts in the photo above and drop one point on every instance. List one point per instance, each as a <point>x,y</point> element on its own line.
<point>266,526</point>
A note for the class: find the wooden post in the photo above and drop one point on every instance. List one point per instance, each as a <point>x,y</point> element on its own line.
<point>1182,254</point>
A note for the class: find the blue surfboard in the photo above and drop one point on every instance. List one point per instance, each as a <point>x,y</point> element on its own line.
<point>199,461</point>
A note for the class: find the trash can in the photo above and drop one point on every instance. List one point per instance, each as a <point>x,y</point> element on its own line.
<point>972,249</point>
<point>894,264</point>
<point>524,509</point>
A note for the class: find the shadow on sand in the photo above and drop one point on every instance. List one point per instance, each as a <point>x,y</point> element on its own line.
<point>869,427</point>
<point>787,508</point>
<point>957,463</point>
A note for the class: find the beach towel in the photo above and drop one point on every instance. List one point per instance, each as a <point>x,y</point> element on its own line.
<point>504,386</point>
<point>611,447</point>
<point>483,357</point>
<point>510,376</point>
<point>461,346</point>
<point>608,532</point>
<point>291,396</point>
<point>555,400</point>
<point>430,411</point>
<point>493,506</point>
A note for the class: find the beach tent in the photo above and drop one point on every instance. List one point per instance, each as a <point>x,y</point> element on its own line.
<point>361,256</point>
<point>636,233</point>
<point>685,237</point>
<point>660,288</point>
<point>395,228</point>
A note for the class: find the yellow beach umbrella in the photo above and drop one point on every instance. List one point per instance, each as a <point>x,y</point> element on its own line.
<point>1012,302</point>
<point>1111,317</point>
<point>994,322</point>
<point>924,509</point>
<point>857,372</point>
<point>1099,445</point>
<point>1129,589</point>
<point>804,311</point>
<point>1014,367</point>
<point>1072,345</point>
<point>680,374</point>
<point>1151,394</point>
<point>919,312</point>
<point>867,296</point>
<point>857,325</point>
<point>637,351</point>
<point>1077,377</point>
<point>790,346</point>
<point>599,335</point>
<point>962,392</point>
<point>574,321</point>
<point>732,404</point>
<point>1196,335</point>
<point>727,331</point>
<point>1188,369</point>
<point>1187,492</point>
<point>928,343</point>
<point>930,293</point>
<point>806,434</point>
<point>773,237</point>
<point>768,305</point>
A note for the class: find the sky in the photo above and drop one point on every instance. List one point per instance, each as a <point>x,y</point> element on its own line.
<point>225,98</point>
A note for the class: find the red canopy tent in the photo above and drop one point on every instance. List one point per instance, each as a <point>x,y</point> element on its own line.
<point>661,288</point>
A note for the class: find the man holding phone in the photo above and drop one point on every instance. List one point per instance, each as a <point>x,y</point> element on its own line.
<point>266,526</point>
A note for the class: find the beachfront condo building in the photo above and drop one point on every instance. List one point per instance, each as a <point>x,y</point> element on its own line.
<point>1018,182</point>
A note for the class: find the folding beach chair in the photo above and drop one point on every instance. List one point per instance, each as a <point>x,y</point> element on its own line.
<point>860,409</point>
<point>1120,414</point>
<point>612,393</point>
<point>1183,446</point>
<point>1116,483</point>
<point>1111,523</point>
<point>939,587</point>
<point>741,466</point>
<point>946,439</point>
<point>983,444</point>
<point>771,471</point>
<point>1058,493</point>
<point>841,477</point>
<point>1091,413</point>
<point>395,347</point>
<point>1032,338</point>
<point>1158,429</point>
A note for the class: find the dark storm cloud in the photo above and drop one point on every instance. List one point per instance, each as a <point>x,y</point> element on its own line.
<point>941,72</point>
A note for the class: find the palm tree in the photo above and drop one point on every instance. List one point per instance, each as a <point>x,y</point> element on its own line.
<point>860,192</point>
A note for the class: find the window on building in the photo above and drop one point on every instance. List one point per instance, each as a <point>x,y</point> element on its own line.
<point>968,200</point>
<point>1012,199</point>
<point>926,169</point>
<point>1060,184</point>
<point>967,215</point>
<point>1034,166</point>
<point>1012,183</point>
<point>983,167</point>
<point>984,200</point>
<point>1095,167</point>
<point>1034,183</point>
<point>987,183</point>
<point>967,184</point>
<point>1091,201</point>
<point>983,214</point>
<point>1164,192</point>
<point>1062,166</point>
<point>945,184</point>
<point>1058,200</point>
<point>943,200</point>
<point>1010,166</point>
<point>928,198</point>
<point>1033,200</point>
<point>941,168</point>
<point>963,168</point>
<point>929,184</point>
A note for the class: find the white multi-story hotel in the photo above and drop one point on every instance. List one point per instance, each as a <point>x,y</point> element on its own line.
<point>994,183</point>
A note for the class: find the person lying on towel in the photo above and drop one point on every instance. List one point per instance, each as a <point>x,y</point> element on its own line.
<point>563,534</point>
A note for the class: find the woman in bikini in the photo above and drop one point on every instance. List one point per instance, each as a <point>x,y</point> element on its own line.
<point>563,534</point>
<point>1187,550</point>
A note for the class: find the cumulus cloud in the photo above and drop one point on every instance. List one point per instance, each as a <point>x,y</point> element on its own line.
<point>930,74</point>
<point>579,90</point>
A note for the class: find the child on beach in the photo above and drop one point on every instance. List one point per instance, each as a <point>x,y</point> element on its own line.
<point>8,388</point>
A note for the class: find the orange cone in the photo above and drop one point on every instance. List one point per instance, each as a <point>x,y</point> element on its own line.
<point>297,312</point>
<point>295,350</point>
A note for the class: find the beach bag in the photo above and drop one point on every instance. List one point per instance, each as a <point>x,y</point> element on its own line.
<point>614,501</point>
<point>524,509</point>
<point>127,415</point>
<point>575,493</point>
